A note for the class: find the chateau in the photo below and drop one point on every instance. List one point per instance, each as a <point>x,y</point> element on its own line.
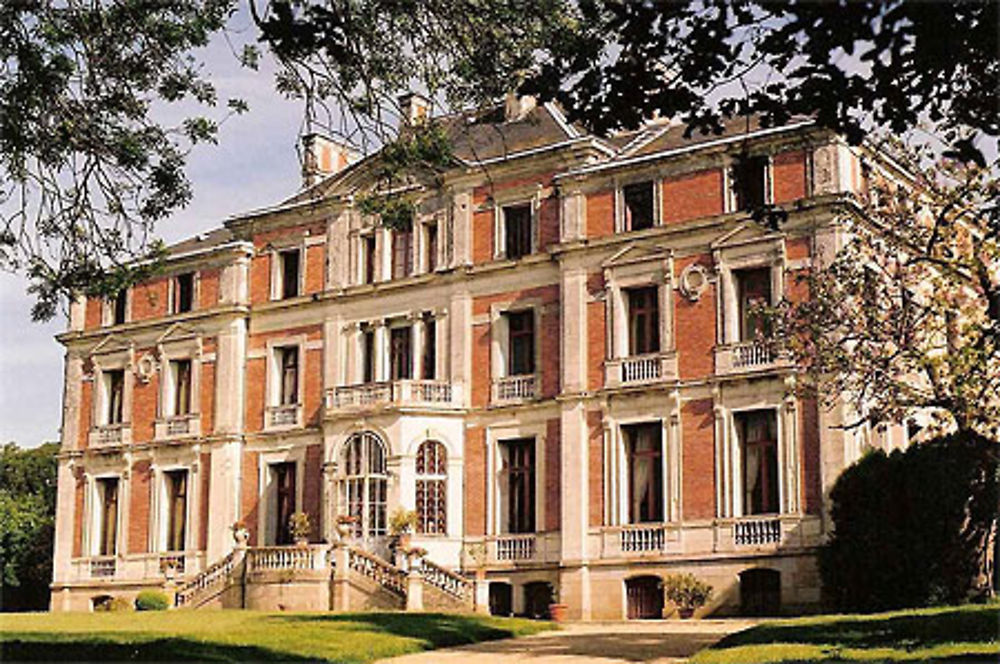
<point>558,366</point>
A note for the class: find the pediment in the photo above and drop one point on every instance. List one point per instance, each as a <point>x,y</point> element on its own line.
<point>637,252</point>
<point>112,343</point>
<point>745,233</point>
<point>178,332</point>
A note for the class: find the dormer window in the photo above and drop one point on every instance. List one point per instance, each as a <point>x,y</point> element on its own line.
<point>183,293</point>
<point>289,270</point>
<point>749,177</point>
<point>517,230</point>
<point>638,206</point>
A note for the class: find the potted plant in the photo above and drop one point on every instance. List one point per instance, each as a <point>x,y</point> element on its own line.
<point>345,526</point>
<point>686,592</point>
<point>240,533</point>
<point>299,527</point>
<point>401,525</point>
<point>557,611</point>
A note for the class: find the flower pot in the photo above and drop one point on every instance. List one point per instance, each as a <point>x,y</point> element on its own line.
<point>557,612</point>
<point>344,530</point>
<point>685,612</point>
<point>241,535</point>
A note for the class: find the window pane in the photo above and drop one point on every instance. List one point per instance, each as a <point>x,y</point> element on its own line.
<point>176,509</point>
<point>517,230</point>
<point>638,208</point>
<point>400,357</point>
<point>749,178</point>
<point>402,254</point>
<point>754,288</point>
<point>183,292</point>
<point>368,359</point>
<point>431,489</point>
<point>643,446</point>
<point>108,489</point>
<point>643,320</point>
<point>368,247</point>
<point>432,246</point>
<point>430,349</point>
<point>289,273</point>
<point>521,339</point>
<point>758,433</point>
<point>116,396</point>
<point>289,376</point>
<point>121,300</point>
<point>520,458</point>
<point>284,478</point>
<point>182,386</point>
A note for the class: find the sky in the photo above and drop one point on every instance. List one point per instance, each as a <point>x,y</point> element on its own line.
<point>254,164</point>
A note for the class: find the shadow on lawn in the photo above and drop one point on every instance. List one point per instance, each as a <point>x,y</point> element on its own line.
<point>972,624</point>
<point>438,630</point>
<point>96,649</point>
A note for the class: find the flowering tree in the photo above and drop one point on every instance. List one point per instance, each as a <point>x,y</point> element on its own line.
<point>904,318</point>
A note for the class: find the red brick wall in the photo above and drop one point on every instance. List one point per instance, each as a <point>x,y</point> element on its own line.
<point>205,472</point>
<point>139,501</point>
<point>694,323</point>
<point>553,474</point>
<point>596,330</point>
<point>86,413</point>
<point>78,492</point>
<point>312,404</point>
<point>149,300</point>
<point>256,379</point>
<point>475,481</point>
<point>260,278</point>
<point>250,501</point>
<point>206,400</point>
<point>697,423</point>
<point>595,469</point>
<point>789,176</point>
<point>600,214</point>
<point>482,367</point>
<point>550,336</point>
<point>692,195</point>
<point>312,489</point>
<point>798,248</point>
<point>256,376</point>
<point>548,223</point>
<point>482,234</point>
<point>208,286</point>
<point>92,313</point>
<point>144,401</point>
<point>315,268</point>
<point>811,481</point>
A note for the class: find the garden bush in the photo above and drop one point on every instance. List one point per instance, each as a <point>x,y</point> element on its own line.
<point>151,600</point>
<point>913,528</point>
<point>686,591</point>
<point>112,604</point>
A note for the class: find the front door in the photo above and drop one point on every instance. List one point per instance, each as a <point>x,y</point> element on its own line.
<point>364,489</point>
<point>644,598</point>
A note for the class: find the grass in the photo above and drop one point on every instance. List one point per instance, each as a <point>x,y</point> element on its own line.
<point>241,636</point>
<point>968,633</point>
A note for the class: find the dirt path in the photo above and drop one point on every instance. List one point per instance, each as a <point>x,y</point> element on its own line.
<point>658,642</point>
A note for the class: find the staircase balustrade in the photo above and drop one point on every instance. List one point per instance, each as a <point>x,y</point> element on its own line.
<point>386,575</point>
<point>447,581</point>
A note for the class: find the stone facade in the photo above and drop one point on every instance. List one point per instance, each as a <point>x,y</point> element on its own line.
<point>319,352</point>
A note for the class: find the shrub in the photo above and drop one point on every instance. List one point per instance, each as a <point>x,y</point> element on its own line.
<point>685,591</point>
<point>402,521</point>
<point>151,600</point>
<point>913,528</point>
<point>112,604</point>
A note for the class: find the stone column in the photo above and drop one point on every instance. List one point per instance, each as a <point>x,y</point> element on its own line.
<point>414,589</point>
<point>381,351</point>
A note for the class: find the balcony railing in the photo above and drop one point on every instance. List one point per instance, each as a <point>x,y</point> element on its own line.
<point>515,389</point>
<point>757,532</point>
<point>641,539</point>
<point>177,426</point>
<point>515,547</point>
<point>286,415</point>
<point>270,558</point>
<point>427,393</point>
<point>103,567</point>
<point>108,435</point>
<point>748,356</point>
<point>640,369</point>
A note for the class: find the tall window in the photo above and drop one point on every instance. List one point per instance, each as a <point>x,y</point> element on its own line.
<point>402,254</point>
<point>637,206</point>
<point>180,370</point>
<point>643,320</point>
<point>644,450</point>
<point>283,476</point>
<point>430,246</point>
<point>400,353</point>
<point>368,356</point>
<point>754,288</point>
<point>519,460</point>
<point>521,343</point>
<point>288,267</point>
<point>288,365</point>
<point>364,485</point>
<point>430,349</point>
<point>177,486</point>
<point>517,230</point>
<point>368,259</point>
<point>119,307</point>
<point>107,497</point>
<point>758,431</point>
<point>432,488</point>
<point>183,292</point>
<point>749,178</point>
<point>114,389</point>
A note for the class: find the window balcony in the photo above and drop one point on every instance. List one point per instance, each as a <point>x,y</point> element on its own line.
<point>748,357</point>
<point>640,369</point>
<point>285,416</point>
<point>434,394</point>
<point>639,540</point>
<point>515,389</point>
<point>526,548</point>
<point>111,435</point>
<point>757,531</point>
<point>178,426</point>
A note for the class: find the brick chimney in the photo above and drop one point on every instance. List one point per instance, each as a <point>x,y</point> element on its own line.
<point>517,106</point>
<point>322,157</point>
<point>414,107</point>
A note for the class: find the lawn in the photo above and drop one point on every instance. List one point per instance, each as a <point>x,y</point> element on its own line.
<point>240,636</point>
<point>968,633</point>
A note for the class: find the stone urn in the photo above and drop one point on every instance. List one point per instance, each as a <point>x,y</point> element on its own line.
<point>240,534</point>
<point>345,527</point>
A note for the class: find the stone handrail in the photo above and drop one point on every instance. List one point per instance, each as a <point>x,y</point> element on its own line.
<point>755,532</point>
<point>286,558</point>
<point>638,538</point>
<point>512,389</point>
<point>515,547</point>
<point>388,576</point>
<point>212,579</point>
<point>447,581</point>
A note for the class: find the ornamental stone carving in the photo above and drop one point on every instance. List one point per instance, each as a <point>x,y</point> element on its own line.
<point>693,282</point>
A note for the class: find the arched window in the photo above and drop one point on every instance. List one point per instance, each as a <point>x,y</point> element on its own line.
<point>364,483</point>
<point>432,488</point>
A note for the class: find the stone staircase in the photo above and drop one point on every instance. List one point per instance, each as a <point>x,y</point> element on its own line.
<point>323,577</point>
